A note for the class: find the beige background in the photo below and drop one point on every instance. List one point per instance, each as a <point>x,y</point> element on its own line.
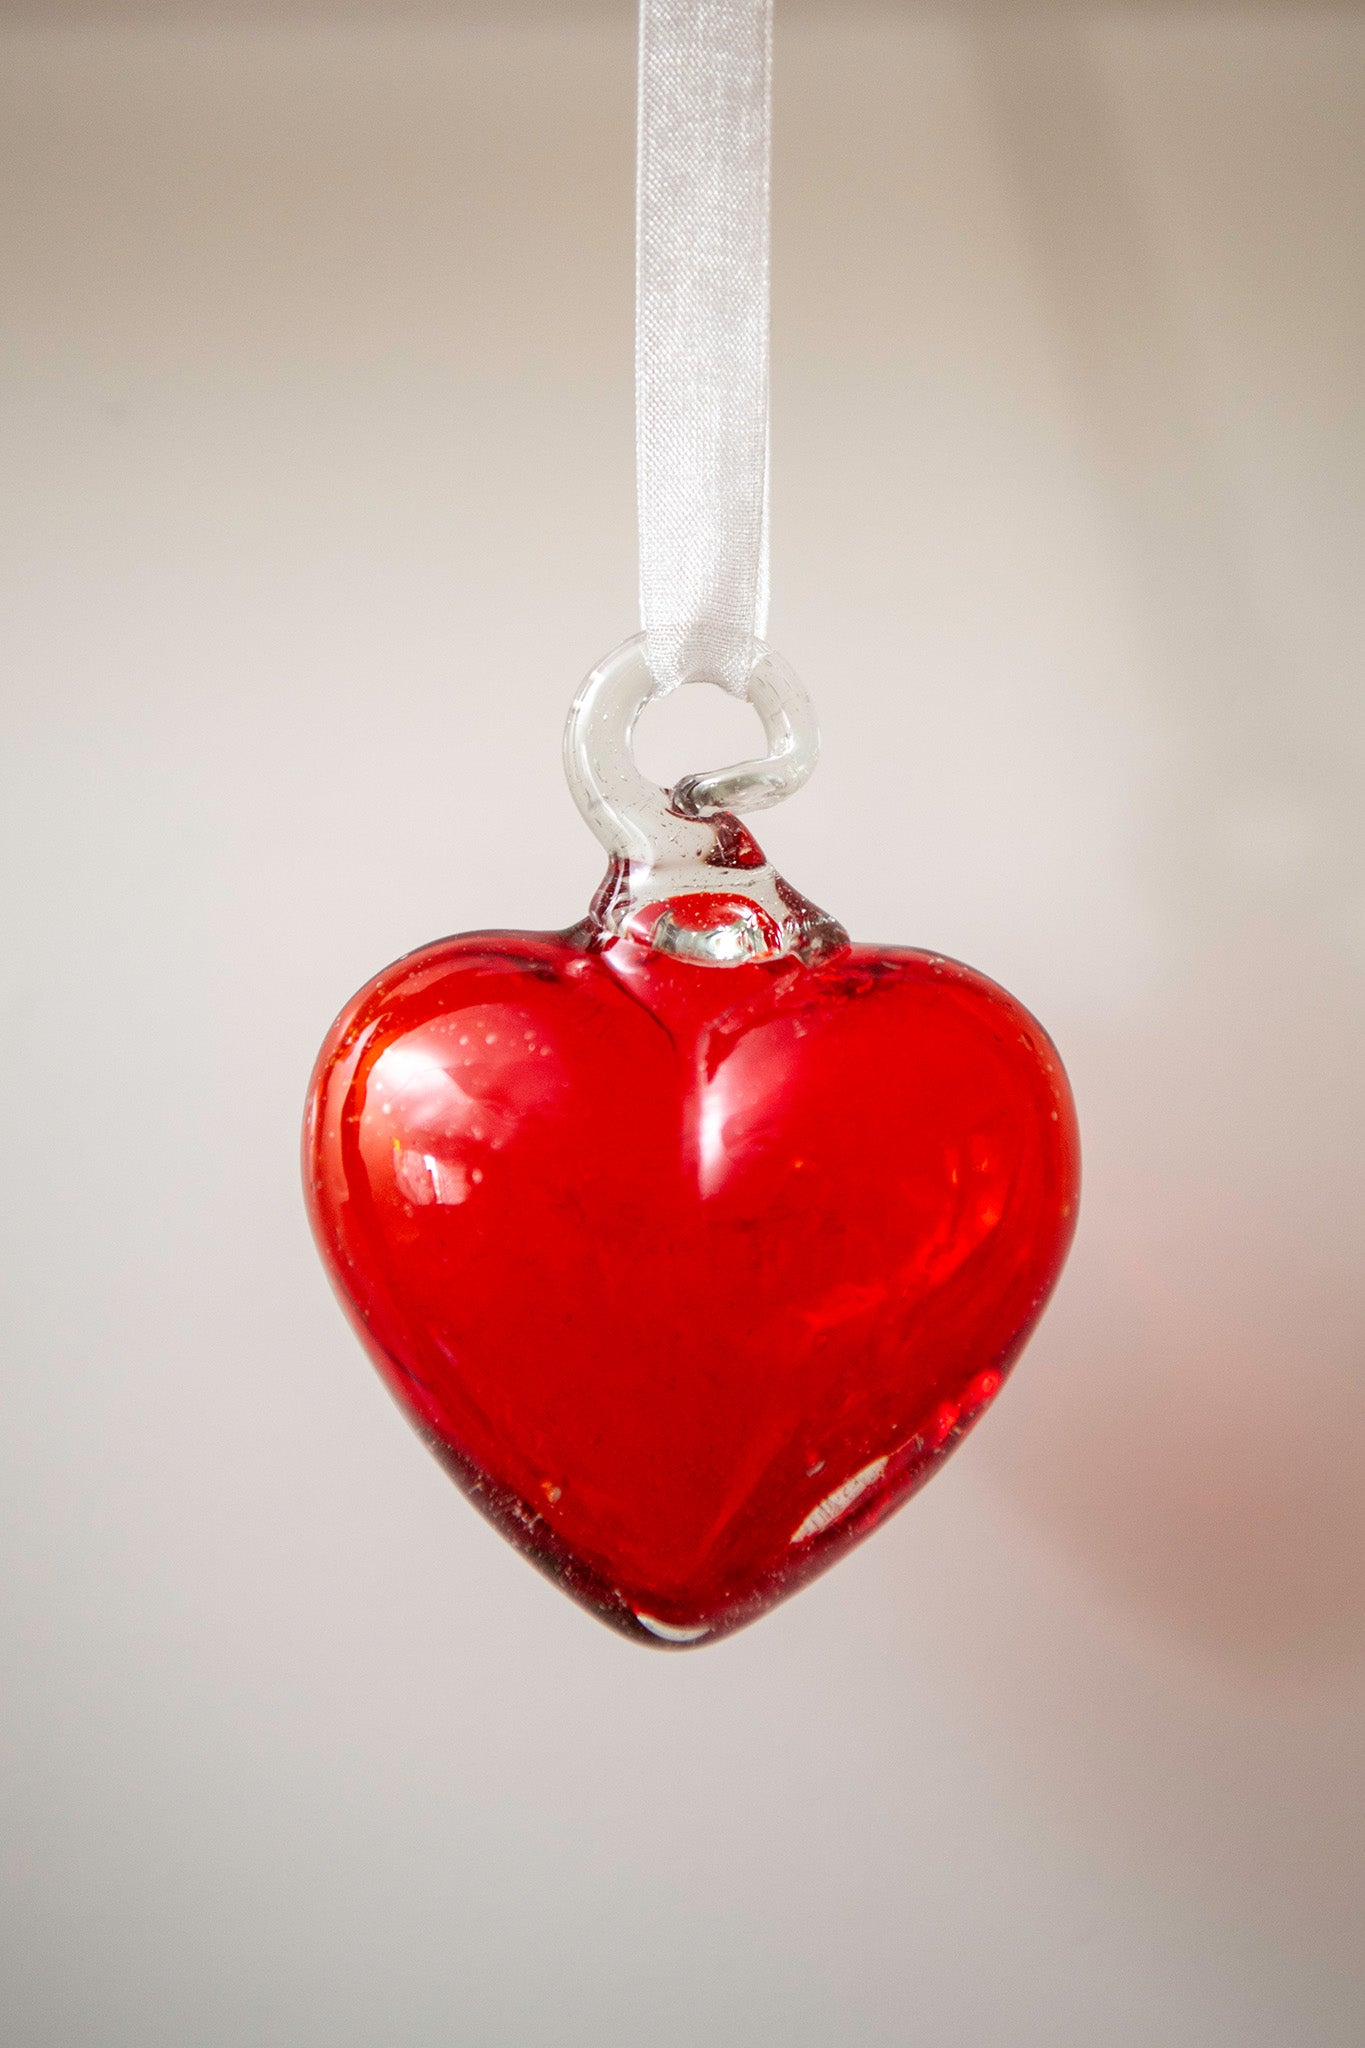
<point>317,500</point>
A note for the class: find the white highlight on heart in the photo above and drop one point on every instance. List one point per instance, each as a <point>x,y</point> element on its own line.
<point>839,1502</point>
<point>667,1633</point>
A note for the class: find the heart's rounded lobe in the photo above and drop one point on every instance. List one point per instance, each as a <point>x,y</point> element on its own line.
<point>689,1274</point>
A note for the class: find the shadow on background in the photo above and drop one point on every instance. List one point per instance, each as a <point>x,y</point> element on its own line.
<point>1196,1424</point>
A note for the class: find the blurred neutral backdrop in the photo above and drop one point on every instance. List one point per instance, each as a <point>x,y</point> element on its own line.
<point>316,428</point>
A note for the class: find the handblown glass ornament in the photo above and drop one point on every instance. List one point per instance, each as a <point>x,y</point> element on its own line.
<point>695,1237</point>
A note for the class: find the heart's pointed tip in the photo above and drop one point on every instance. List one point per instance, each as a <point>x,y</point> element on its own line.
<point>650,1632</point>
<point>667,1632</point>
<point>654,1634</point>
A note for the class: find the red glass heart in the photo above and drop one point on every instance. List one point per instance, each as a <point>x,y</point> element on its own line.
<point>689,1274</point>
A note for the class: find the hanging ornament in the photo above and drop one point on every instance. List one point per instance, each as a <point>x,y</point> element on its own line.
<point>695,1237</point>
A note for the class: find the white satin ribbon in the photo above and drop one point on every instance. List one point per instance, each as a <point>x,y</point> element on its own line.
<point>701,336</point>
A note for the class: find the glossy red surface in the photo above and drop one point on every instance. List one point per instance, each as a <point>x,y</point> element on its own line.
<point>689,1274</point>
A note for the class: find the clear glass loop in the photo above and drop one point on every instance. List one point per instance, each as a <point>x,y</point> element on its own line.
<point>684,848</point>
<point>633,817</point>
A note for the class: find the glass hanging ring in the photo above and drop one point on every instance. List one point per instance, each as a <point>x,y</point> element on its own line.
<point>684,875</point>
<point>634,818</point>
